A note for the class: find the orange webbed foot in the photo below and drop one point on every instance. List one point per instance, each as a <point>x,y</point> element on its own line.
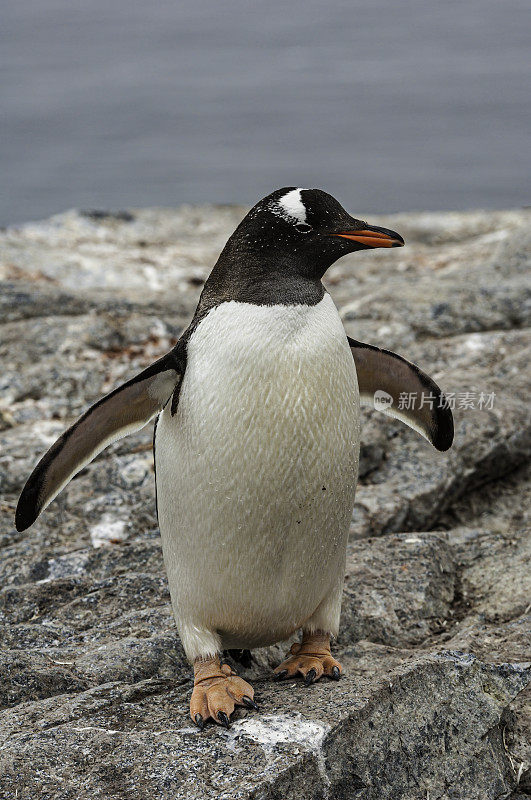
<point>217,690</point>
<point>311,659</point>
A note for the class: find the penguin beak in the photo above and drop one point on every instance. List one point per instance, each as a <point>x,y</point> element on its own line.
<point>373,236</point>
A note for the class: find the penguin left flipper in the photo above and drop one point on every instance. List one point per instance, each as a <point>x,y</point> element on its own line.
<point>409,394</point>
<point>125,410</point>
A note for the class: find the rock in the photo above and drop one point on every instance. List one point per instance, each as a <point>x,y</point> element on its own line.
<point>398,589</point>
<point>431,725</point>
<point>518,739</point>
<point>435,625</point>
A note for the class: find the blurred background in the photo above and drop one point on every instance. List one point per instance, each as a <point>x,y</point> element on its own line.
<point>388,105</point>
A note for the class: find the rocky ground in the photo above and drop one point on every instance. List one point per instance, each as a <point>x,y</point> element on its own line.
<point>435,632</point>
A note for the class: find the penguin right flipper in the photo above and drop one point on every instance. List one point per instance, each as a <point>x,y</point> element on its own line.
<point>425,408</point>
<point>125,410</point>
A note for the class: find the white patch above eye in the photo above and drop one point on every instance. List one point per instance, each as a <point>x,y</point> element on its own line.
<point>290,207</point>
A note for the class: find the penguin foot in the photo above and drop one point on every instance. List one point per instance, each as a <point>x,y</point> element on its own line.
<point>217,690</point>
<point>311,659</point>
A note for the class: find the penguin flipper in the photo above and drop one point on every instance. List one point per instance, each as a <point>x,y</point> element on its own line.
<point>416,399</point>
<point>125,410</point>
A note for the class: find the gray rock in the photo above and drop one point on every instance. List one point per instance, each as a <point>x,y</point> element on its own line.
<point>431,725</point>
<point>435,624</point>
<point>398,589</point>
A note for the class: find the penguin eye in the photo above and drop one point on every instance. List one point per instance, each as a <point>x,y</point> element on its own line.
<point>303,228</point>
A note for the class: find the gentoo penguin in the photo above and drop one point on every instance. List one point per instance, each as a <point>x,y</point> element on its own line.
<point>256,444</point>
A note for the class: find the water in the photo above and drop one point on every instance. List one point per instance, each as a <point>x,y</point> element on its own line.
<point>388,105</point>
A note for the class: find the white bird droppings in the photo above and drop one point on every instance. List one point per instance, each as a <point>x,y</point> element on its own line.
<point>271,729</point>
<point>108,531</point>
<point>475,341</point>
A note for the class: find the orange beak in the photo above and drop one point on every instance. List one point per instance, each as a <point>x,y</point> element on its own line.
<point>373,237</point>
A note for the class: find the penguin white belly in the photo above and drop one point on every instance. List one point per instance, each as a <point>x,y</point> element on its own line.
<point>256,473</point>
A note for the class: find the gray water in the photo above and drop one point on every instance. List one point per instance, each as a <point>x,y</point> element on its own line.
<point>388,104</point>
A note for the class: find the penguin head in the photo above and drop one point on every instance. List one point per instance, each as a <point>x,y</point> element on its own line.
<point>306,231</point>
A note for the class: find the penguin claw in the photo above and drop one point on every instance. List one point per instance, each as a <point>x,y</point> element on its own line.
<point>223,718</point>
<point>336,674</point>
<point>310,677</point>
<point>281,675</point>
<point>248,703</point>
<point>198,719</point>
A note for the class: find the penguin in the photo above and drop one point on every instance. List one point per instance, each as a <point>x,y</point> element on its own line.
<point>257,445</point>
